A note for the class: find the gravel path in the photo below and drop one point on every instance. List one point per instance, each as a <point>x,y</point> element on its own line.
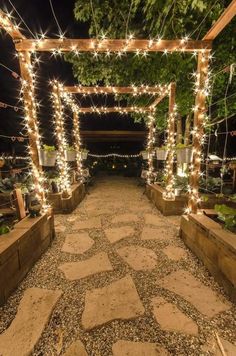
<point>115,203</point>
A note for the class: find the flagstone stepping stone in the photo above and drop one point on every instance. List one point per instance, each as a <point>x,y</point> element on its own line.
<point>139,258</point>
<point>151,219</point>
<point>171,318</point>
<point>77,243</point>
<point>118,233</point>
<point>76,349</point>
<point>72,218</point>
<point>162,233</point>
<point>97,211</point>
<point>188,287</point>
<point>60,228</point>
<point>32,317</point>
<point>91,223</point>
<point>81,269</point>
<point>213,347</point>
<point>125,218</point>
<point>118,300</point>
<point>174,253</point>
<point>130,348</point>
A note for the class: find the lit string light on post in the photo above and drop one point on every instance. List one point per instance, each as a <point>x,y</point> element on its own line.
<point>202,87</point>
<point>31,124</point>
<point>64,177</point>
<point>69,101</point>
<point>150,147</point>
<point>169,193</point>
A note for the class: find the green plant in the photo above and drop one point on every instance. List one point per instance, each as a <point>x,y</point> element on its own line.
<point>181,183</point>
<point>4,229</point>
<point>49,148</point>
<point>227,215</point>
<point>181,145</point>
<point>70,148</point>
<point>162,148</point>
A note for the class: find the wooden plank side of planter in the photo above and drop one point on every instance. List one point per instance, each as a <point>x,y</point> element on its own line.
<point>21,248</point>
<point>214,246</point>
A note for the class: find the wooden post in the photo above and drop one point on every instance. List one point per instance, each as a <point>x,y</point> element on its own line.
<point>77,145</point>
<point>198,130</point>
<point>61,142</point>
<point>187,130</point>
<point>150,147</point>
<point>32,123</point>
<point>179,132</point>
<point>169,194</point>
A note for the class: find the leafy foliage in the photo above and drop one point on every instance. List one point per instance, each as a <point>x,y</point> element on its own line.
<point>150,19</point>
<point>227,215</point>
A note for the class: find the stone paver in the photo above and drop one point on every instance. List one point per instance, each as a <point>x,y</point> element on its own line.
<point>151,219</point>
<point>174,253</point>
<point>126,218</point>
<point>77,243</point>
<point>213,347</point>
<point>118,300</point>
<point>76,349</point>
<point>72,218</point>
<point>118,233</point>
<point>130,348</point>
<point>81,269</point>
<point>92,223</point>
<point>159,234</point>
<point>189,288</point>
<point>139,258</point>
<point>60,228</point>
<point>32,317</point>
<point>171,318</point>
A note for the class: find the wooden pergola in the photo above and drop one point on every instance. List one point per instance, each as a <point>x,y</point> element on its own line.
<point>203,47</point>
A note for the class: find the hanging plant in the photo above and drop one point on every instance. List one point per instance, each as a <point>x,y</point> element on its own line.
<point>161,153</point>
<point>47,156</point>
<point>184,153</point>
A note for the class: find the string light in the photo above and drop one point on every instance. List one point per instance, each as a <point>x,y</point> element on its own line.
<point>31,124</point>
<point>150,147</point>
<point>69,101</point>
<point>169,193</point>
<point>114,155</point>
<point>64,178</point>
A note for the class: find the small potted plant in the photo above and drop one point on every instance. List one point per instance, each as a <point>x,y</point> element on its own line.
<point>180,185</point>
<point>144,154</point>
<point>47,156</point>
<point>84,153</point>
<point>70,154</point>
<point>184,153</point>
<point>161,153</point>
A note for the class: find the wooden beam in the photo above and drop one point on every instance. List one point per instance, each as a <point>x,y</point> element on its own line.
<point>9,27</point>
<point>157,101</point>
<point>222,22</point>
<point>169,194</point>
<point>116,45</point>
<point>145,89</point>
<point>121,110</point>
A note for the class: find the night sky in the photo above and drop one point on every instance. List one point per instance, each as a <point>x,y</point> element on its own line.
<point>38,16</point>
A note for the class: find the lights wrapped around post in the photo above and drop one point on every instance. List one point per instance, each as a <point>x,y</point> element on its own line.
<point>202,91</point>
<point>150,147</point>
<point>169,193</point>
<point>64,178</point>
<point>31,123</point>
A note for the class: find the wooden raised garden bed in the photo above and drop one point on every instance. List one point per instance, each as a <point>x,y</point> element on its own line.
<point>177,207</point>
<point>62,205</point>
<point>21,248</point>
<point>214,246</point>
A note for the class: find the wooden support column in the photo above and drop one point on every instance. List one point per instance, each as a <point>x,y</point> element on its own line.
<point>77,144</point>
<point>150,147</point>
<point>198,130</point>
<point>32,123</point>
<point>169,194</point>
<point>61,142</point>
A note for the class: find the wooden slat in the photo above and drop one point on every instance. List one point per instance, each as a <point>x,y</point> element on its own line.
<point>117,45</point>
<point>105,110</point>
<point>9,27</point>
<point>222,22</point>
<point>113,90</point>
<point>157,101</point>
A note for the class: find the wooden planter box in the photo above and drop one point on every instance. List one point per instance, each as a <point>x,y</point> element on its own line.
<point>67,205</point>
<point>214,246</point>
<point>177,207</point>
<point>21,248</point>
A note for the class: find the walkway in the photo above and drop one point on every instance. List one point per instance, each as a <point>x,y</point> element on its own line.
<point>117,281</point>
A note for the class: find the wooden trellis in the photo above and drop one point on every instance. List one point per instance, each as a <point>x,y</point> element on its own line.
<point>202,47</point>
